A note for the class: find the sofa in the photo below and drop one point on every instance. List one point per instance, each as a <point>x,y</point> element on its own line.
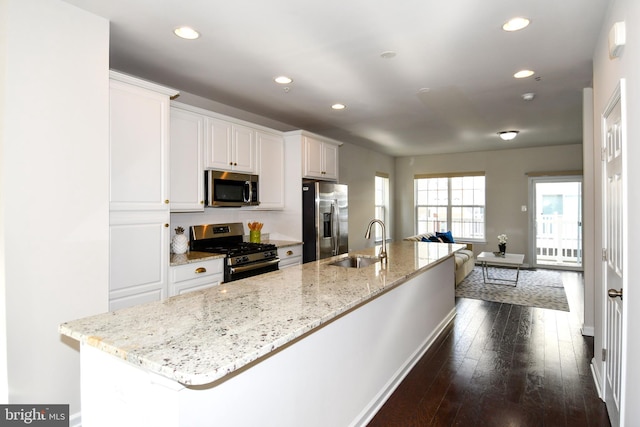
<point>464,258</point>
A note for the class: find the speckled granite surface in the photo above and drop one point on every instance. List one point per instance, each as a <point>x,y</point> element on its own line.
<point>191,257</point>
<point>201,336</point>
<point>282,243</point>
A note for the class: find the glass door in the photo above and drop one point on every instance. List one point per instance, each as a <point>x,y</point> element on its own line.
<point>557,222</point>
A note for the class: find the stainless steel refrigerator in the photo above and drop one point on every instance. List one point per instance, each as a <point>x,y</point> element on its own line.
<point>325,215</point>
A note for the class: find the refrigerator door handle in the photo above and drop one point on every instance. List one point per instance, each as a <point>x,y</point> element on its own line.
<point>335,227</point>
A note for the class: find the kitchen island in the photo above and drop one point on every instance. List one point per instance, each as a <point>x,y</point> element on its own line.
<point>314,344</point>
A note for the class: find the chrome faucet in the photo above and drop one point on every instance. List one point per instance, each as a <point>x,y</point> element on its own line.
<point>367,235</point>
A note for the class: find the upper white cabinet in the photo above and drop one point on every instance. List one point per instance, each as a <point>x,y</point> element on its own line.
<point>139,144</point>
<point>270,170</point>
<point>187,166</point>
<point>320,159</point>
<point>319,155</point>
<point>229,146</point>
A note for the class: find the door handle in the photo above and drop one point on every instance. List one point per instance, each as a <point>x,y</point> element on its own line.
<point>335,226</point>
<point>613,293</point>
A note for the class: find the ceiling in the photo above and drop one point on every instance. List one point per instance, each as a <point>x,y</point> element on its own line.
<point>449,88</point>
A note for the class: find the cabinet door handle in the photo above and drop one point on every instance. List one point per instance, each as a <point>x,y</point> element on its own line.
<point>166,225</point>
<point>166,202</point>
<point>289,253</point>
<point>201,270</point>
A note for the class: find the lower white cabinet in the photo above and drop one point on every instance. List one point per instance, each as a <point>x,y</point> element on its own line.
<point>289,256</point>
<point>196,276</point>
<point>139,255</point>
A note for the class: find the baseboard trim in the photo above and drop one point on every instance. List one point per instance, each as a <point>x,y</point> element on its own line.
<point>597,378</point>
<point>588,331</point>
<point>75,420</point>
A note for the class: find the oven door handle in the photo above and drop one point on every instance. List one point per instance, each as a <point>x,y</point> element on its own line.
<point>244,268</point>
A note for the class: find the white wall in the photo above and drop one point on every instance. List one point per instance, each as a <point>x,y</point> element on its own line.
<point>358,167</point>
<point>607,73</point>
<point>506,183</point>
<point>4,381</point>
<point>54,195</point>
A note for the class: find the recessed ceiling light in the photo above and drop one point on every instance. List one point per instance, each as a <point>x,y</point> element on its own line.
<point>283,80</point>
<point>508,135</point>
<point>388,54</point>
<point>338,106</point>
<point>186,33</point>
<point>523,74</point>
<point>528,96</point>
<point>516,24</point>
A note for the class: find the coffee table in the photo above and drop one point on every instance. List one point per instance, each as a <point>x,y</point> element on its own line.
<point>506,260</point>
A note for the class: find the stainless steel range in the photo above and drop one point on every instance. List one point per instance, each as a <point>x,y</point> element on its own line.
<point>243,259</point>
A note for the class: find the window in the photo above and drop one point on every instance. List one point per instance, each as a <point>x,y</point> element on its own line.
<point>453,203</point>
<point>382,203</point>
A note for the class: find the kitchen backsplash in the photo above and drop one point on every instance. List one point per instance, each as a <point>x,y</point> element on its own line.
<point>279,225</point>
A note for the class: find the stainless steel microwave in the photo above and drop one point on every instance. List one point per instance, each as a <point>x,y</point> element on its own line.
<point>230,189</point>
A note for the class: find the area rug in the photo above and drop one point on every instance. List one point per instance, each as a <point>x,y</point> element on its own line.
<point>536,288</point>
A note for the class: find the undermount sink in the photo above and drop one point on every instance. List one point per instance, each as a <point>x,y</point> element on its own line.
<point>355,262</point>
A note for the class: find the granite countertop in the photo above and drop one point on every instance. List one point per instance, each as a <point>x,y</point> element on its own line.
<point>193,256</point>
<point>199,337</point>
<point>281,243</point>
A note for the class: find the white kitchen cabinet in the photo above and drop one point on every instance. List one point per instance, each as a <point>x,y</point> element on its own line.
<point>320,159</point>
<point>139,195</point>
<point>139,144</point>
<point>187,165</point>
<point>196,276</point>
<point>319,154</point>
<point>138,258</point>
<point>290,256</point>
<point>270,170</point>
<point>229,146</point>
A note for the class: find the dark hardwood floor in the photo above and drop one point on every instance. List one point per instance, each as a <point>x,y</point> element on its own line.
<point>503,365</point>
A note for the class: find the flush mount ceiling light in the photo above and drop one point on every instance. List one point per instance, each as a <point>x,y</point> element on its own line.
<point>283,80</point>
<point>338,106</point>
<point>522,74</point>
<point>388,54</point>
<point>186,33</point>
<point>508,135</point>
<point>516,24</point>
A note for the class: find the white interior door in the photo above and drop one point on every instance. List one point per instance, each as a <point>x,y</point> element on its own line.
<point>613,214</point>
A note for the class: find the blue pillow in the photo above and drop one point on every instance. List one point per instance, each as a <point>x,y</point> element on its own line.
<point>446,237</point>
<point>431,239</point>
